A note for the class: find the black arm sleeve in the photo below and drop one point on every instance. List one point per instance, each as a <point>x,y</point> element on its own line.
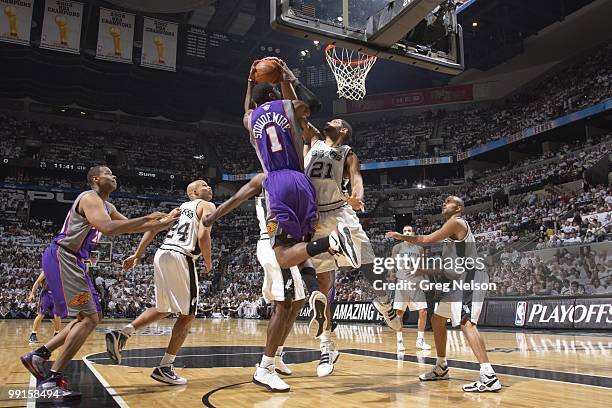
<point>307,96</point>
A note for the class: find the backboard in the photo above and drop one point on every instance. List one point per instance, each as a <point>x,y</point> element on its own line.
<point>422,33</point>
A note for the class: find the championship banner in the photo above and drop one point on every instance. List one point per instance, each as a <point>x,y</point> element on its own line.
<point>16,23</point>
<point>61,29</point>
<point>159,40</point>
<point>416,98</point>
<point>115,36</point>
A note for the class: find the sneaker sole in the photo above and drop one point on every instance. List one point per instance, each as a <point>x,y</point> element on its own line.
<point>38,375</point>
<point>487,389</point>
<point>165,380</point>
<point>317,324</point>
<point>267,387</point>
<point>282,372</point>
<point>112,348</point>
<point>435,379</point>
<point>346,243</point>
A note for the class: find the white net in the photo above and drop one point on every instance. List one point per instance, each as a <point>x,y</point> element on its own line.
<point>350,69</point>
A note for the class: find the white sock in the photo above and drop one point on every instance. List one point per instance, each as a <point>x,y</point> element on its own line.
<point>33,331</point>
<point>128,330</point>
<point>325,337</point>
<point>266,361</point>
<point>383,299</point>
<point>486,368</point>
<point>400,336</point>
<point>441,361</point>
<point>421,335</point>
<point>279,351</point>
<point>167,359</point>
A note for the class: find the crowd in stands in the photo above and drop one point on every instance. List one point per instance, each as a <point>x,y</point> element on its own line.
<point>233,287</point>
<point>566,165</point>
<point>531,241</point>
<point>582,84</point>
<point>70,144</point>
<point>565,273</point>
<point>571,88</point>
<point>565,90</point>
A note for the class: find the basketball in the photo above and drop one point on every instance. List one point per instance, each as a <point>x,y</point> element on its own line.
<point>268,70</point>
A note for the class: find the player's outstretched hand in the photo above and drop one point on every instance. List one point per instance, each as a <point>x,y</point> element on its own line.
<point>157,215</point>
<point>130,262</point>
<point>166,220</point>
<point>393,235</point>
<point>252,70</point>
<point>31,298</point>
<point>355,203</point>
<point>288,75</point>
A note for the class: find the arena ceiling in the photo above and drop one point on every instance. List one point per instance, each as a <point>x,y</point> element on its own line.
<point>218,82</point>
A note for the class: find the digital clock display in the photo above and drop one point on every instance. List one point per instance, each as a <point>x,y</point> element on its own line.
<point>62,166</point>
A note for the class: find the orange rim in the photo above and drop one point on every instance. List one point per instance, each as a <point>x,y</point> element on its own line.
<point>352,63</point>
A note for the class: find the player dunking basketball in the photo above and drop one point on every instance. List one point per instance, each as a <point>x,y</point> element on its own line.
<point>45,307</point>
<point>461,306</point>
<point>176,279</point>
<point>73,291</point>
<point>330,165</point>
<point>276,128</point>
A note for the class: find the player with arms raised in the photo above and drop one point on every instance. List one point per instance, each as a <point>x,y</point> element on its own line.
<point>331,164</point>
<point>276,127</point>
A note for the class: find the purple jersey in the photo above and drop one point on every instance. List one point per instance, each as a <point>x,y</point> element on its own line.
<point>277,137</point>
<point>78,235</point>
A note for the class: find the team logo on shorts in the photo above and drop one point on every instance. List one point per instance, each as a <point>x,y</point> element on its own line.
<point>80,299</point>
<point>272,227</point>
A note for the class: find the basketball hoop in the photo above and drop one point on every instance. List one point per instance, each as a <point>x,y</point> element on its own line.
<point>350,68</point>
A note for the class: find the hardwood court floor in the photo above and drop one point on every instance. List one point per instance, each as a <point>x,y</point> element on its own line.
<point>542,369</point>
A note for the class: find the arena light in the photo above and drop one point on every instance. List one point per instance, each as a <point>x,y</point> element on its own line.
<point>475,24</point>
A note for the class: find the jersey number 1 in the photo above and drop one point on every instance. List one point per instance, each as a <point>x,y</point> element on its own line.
<point>275,145</point>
